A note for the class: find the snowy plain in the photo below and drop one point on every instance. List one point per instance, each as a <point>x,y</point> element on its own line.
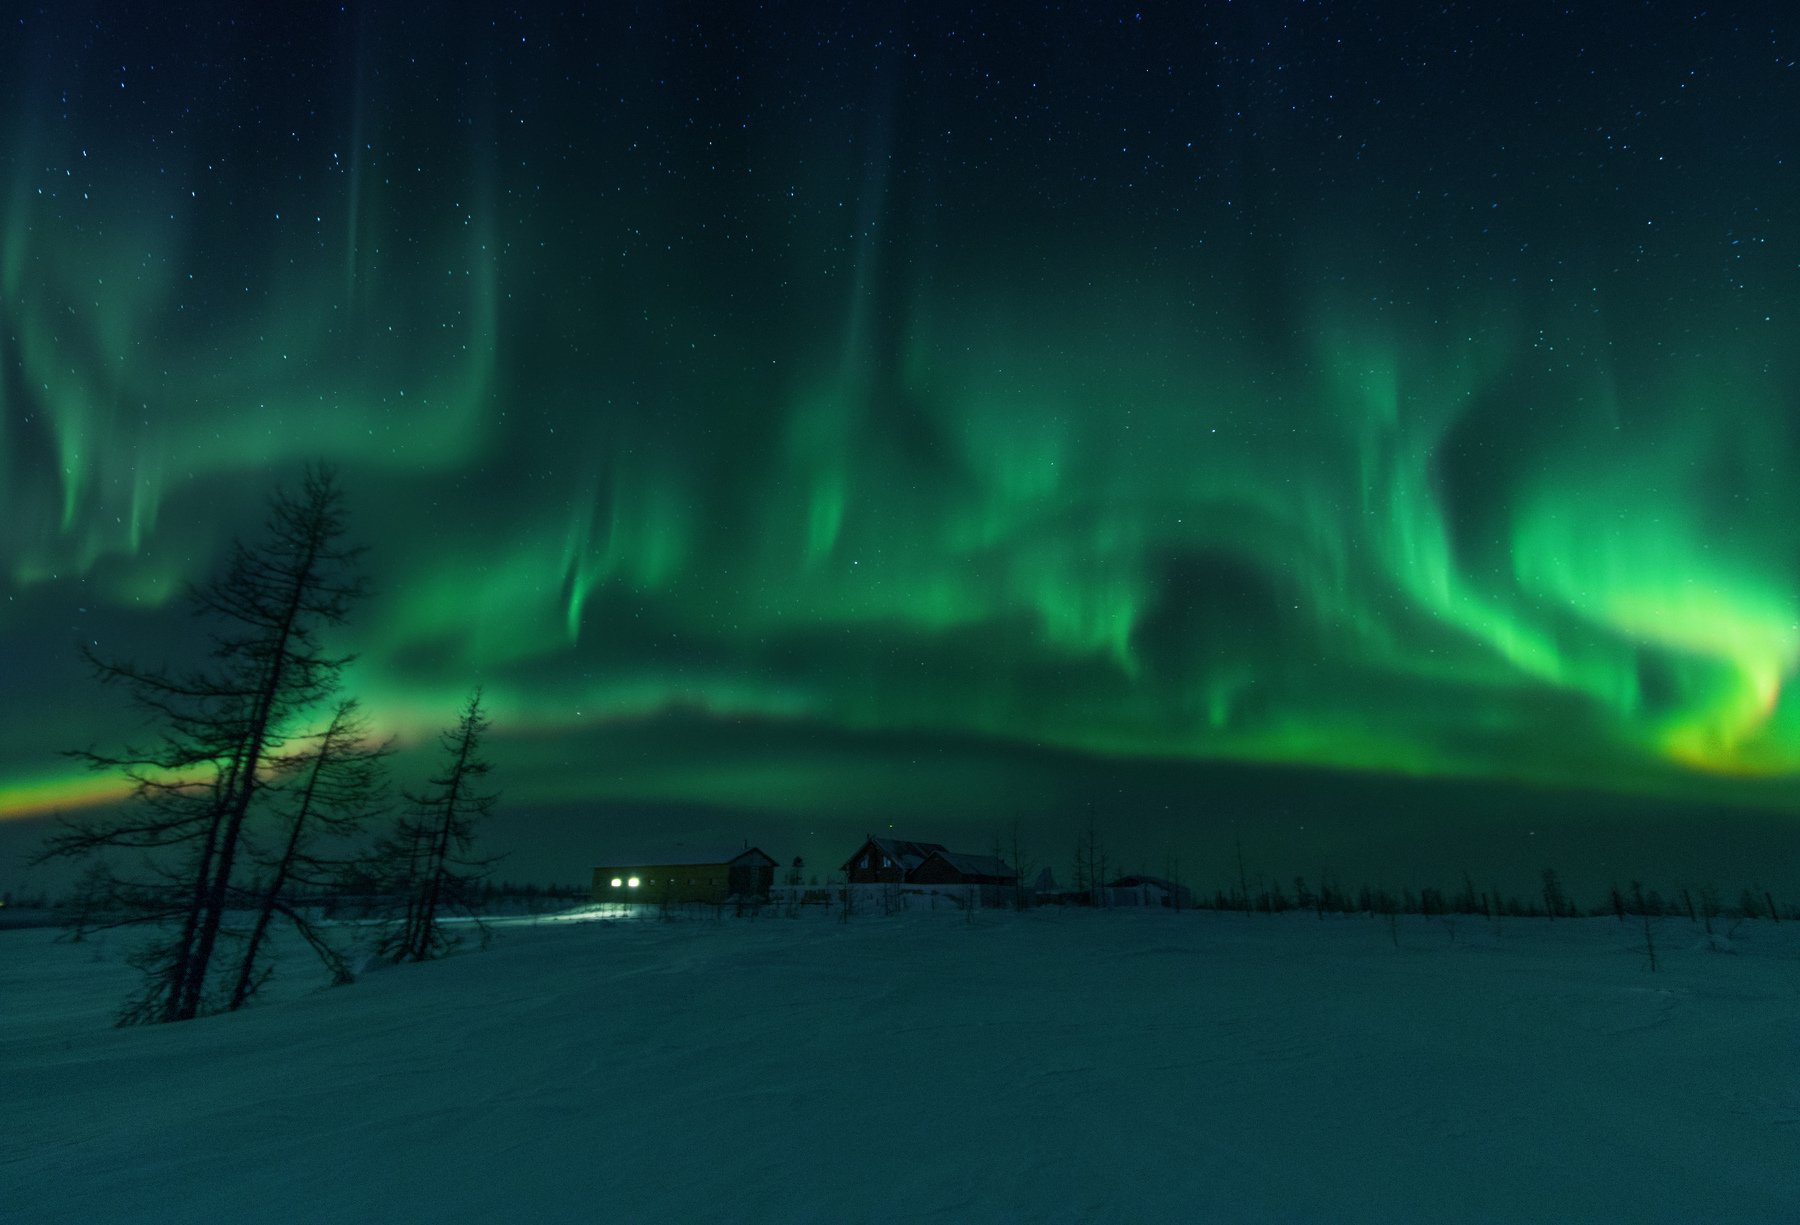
<point>1051,1066</point>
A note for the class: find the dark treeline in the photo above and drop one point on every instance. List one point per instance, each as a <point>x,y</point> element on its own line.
<point>501,892</point>
<point>357,894</point>
<point>1325,895</point>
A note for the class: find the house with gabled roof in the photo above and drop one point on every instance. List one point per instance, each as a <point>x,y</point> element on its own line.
<point>899,861</point>
<point>886,861</point>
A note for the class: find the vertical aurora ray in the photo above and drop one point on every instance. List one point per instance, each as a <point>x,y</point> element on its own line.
<point>640,541</point>
<point>151,339</point>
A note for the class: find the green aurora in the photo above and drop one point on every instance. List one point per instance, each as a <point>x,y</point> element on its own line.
<point>1314,387</point>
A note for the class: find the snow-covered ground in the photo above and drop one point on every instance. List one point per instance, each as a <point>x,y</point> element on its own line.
<point>1057,1066</point>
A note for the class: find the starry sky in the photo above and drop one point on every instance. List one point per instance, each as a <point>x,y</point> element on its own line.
<point>1335,427</point>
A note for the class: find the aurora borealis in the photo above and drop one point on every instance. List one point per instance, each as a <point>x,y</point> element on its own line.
<point>818,411</point>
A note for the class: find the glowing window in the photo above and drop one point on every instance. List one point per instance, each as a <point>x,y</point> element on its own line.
<point>634,882</point>
<point>617,882</point>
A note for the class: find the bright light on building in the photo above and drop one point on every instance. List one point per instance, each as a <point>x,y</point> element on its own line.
<point>617,882</point>
<point>634,882</point>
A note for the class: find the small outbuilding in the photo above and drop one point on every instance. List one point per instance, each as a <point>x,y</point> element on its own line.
<point>680,875</point>
<point>1141,890</point>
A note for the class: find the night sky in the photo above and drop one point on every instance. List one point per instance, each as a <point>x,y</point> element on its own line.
<point>1365,431</point>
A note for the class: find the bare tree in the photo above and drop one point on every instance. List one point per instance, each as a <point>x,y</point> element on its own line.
<point>1243,877</point>
<point>1556,902</point>
<point>91,904</point>
<point>1172,873</point>
<point>428,859</point>
<point>338,784</point>
<point>1091,855</point>
<point>1021,865</point>
<point>220,727</point>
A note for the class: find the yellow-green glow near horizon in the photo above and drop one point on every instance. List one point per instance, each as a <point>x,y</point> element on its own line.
<point>959,395</point>
<point>58,793</point>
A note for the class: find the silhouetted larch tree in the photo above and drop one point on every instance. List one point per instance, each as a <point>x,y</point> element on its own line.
<point>428,857</point>
<point>336,784</point>
<point>220,729</point>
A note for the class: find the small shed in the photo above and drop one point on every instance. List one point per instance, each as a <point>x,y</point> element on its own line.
<point>1141,890</point>
<point>674,876</point>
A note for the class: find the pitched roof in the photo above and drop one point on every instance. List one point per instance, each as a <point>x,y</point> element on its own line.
<point>976,865</point>
<point>1138,878</point>
<point>908,855</point>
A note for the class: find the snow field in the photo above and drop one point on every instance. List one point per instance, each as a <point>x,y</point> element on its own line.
<point>1053,1066</point>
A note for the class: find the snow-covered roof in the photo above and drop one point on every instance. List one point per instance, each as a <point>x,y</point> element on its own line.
<point>908,855</point>
<point>1138,878</point>
<point>975,865</point>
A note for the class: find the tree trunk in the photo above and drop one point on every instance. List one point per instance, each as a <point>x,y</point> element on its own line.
<point>213,913</point>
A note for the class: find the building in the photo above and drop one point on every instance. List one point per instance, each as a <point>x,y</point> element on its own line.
<point>943,867</point>
<point>899,861</point>
<point>1140,890</point>
<point>886,861</point>
<point>680,875</point>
